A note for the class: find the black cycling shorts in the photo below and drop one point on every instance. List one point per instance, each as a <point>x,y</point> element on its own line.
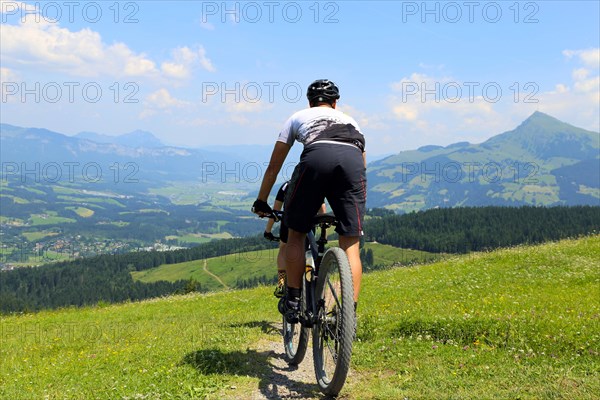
<point>331,171</point>
<point>283,232</point>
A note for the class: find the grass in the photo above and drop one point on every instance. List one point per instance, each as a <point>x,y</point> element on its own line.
<point>228,268</point>
<point>99,200</point>
<point>119,224</point>
<point>15,199</point>
<point>81,211</point>
<point>518,323</point>
<point>231,195</point>
<point>199,237</point>
<point>49,218</point>
<point>145,211</point>
<point>386,255</point>
<point>35,236</point>
<point>521,323</point>
<point>11,221</point>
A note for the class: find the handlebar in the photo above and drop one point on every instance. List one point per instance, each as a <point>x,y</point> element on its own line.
<point>275,214</point>
<point>327,219</point>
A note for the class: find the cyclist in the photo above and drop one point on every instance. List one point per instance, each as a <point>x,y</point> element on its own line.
<point>279,289</point>
<point>332,166</point>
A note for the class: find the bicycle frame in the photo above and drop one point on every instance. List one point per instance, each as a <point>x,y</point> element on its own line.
<point>332,327</point>
<point>317,249</point>
<point>308,316</point>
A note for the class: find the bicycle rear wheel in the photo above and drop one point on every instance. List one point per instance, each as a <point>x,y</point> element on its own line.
<point>334,331</point>
<point>295,336</point>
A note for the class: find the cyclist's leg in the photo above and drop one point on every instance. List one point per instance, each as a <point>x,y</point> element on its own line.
<point>280,288</point>
<point>351,245</point>
<point>294,258</point>
<point>281,274</point>
<point>281,257</point>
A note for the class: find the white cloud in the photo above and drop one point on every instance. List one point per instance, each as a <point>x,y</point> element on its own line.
<point>41,44</point>
<point>205,62</point>
<point>430,110</point>
<point>7,75</point>
<point>247,107</point>
<point>180,67</point>
<point>81,53</point>
<point>421,95</point>
<point>184,61</point>
<point>576,102</point>
<point>366,122</point>
<point>406,112</point>
<point>161,100</point>
<point>207,25</point>
<point>444,110</point>
<point>8,85</point>
<point>589,57</point>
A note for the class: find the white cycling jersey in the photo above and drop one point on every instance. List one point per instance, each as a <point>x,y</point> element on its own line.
<point>306,125</point>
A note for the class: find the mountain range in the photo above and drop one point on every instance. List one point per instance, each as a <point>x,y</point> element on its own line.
<point>138,154</point>
<point>137,138</point>
<point>543,161</point>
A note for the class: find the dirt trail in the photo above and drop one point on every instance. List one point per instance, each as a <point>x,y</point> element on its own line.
<point>213,275</point>
<point>283,381</point>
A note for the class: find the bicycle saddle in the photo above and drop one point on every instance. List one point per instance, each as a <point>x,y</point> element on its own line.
<point>327,218</point>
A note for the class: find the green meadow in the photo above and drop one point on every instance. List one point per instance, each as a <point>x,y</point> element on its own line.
<point>518,323</point>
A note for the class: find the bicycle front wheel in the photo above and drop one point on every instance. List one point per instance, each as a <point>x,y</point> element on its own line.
<point>334,331</point>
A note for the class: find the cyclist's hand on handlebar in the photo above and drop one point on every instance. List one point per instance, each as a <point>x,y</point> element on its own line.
<point>261,208</point>
<point>269,236</point>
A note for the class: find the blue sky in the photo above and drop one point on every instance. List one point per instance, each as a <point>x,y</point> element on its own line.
<point>205,73</point>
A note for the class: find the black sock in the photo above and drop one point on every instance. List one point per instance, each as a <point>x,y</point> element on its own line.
<point>293,293</point>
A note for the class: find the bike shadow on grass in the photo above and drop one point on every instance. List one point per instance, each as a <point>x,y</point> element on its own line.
<point>267,327</point>
<point>274,382</point>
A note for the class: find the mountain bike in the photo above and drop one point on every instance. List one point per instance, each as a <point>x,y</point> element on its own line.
<point>327,308</point>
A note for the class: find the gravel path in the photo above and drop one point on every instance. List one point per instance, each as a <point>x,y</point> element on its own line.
<point>284,381</point>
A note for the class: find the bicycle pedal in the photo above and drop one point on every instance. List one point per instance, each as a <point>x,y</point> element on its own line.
<point>292,318</point>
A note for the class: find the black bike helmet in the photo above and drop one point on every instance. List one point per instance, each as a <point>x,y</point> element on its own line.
<point>322,90</point>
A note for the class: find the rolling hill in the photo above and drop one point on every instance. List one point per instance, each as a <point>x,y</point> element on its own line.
<point>240,269</point>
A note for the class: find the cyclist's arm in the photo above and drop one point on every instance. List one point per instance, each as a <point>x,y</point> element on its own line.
<point>365,158</point>
<point>280,152</point>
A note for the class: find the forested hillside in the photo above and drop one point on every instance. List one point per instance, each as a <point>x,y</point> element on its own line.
<point>108,278</point>
<point>460,230</point>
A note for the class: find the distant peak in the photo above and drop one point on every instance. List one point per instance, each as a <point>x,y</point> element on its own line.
<point>137,138</point>
<point>539,117</point>
<point>140,138</point>
<point>539,114</point>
